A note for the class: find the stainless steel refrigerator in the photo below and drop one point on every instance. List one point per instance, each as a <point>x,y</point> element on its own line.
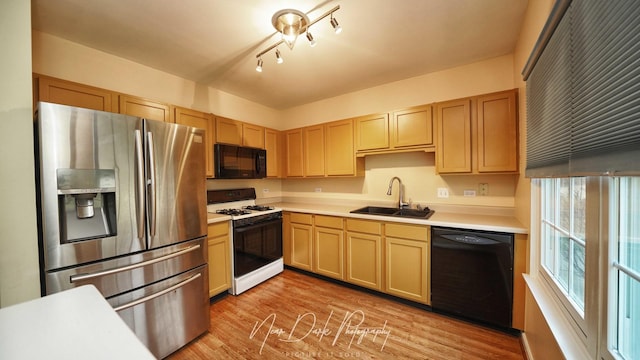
<point>122,206</point>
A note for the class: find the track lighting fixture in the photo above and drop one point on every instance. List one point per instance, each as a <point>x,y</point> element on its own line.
<point>336,27</point>
<point>312,41</point>
<point>290,24</point>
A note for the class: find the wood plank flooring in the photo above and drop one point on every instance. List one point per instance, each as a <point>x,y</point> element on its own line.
<point>296,316</point>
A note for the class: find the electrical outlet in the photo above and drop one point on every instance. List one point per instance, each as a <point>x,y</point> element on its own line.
<point>483,189</point>
<point>443,192</point>
<point>470,193</point>
<point>318,189</point>
<point>265,190</point>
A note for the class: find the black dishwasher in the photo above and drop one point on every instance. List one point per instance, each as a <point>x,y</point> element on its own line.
<point>472,274</point>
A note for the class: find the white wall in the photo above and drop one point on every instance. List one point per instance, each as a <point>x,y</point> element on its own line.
<point>19,272</point>
<point>63,59</point>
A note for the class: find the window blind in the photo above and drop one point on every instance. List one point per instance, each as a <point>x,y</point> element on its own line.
<point>583,93</point>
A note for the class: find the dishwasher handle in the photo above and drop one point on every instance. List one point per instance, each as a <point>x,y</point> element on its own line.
<point>470,239</point>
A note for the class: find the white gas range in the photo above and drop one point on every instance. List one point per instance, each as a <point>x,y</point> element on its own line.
<point>256,238</point>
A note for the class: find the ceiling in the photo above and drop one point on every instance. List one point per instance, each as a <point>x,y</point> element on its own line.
<point>215,42</point>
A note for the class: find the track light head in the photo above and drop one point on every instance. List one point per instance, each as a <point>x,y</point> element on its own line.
<point>336,27</point>
<point>279,59</point>
<point>312,41</point>
<point>259,66</point>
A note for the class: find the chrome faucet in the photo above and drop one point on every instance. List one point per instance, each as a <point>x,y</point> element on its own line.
<point>401,203</point>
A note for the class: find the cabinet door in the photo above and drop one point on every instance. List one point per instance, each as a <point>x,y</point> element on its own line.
<point>364,260</point>
<point>253,136</point>
<point>203,121</point>
<point>407,270</point>
<point>228,131</point>
<point>73,94</point>
<point>339,150</point>
<point>153,110</point>
<point>412,127</point>
<point>453,151</point>
<point>273,145</point>
<point>372,132</point>
<point>293,140</point>
<point>313,151</point>
<point>329,252</point>
<point>219,258</point>
<point>301,246</point>
<point>498,133</point>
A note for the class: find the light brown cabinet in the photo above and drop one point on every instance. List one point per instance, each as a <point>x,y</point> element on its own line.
<point>148,109</point>
<point>478,135</point>
<point>409,129</point>
<point>412,127</point>
<point>203,121</point>
<point>295,153</point>
<point>364,253</point>
<point>253,136</point>
<point>313,150</point>
<point>219,258</point>
<point>301,232</point>
<point>340,155</point>
<point>273,143</point>
<point>328,251</point>
<point>73,94</point>
<point>407,261</point>
<point>228,131</point>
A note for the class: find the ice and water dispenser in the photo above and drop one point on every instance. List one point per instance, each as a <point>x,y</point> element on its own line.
<point>86,204</point>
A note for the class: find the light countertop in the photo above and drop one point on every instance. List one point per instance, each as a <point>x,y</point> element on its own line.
<point>485,222</point>
<point>73,324</point>
<point>507,224</point>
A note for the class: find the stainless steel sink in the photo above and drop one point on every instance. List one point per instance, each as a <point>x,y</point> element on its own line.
<point>386,211</point>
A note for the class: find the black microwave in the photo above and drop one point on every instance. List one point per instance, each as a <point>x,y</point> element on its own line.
<point>239,162</point>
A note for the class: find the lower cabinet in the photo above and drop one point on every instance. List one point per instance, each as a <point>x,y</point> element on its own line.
<point>385,256</point>
<point>301,240</point>
<point>328,250</point>
<point>407,261</point>
<point>219,258</point>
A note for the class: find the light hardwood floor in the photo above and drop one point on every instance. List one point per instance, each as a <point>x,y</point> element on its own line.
<point>296,316</point>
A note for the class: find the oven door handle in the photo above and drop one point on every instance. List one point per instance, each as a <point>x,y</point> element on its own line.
<point>80,277</point>
<point>158,294</point>
<point>255,226</point>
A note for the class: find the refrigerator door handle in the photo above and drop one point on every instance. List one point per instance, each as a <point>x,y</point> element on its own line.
<point>140,206</point>
<point>158,294</point>
<point>152,184</point>
<point>80,277</point>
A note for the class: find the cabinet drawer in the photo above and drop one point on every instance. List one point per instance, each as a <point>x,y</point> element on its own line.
<point>364,226</point>
<point>404,231</point>
<point>302,218</point>
<point>329,221</point>
<point>218,229</point>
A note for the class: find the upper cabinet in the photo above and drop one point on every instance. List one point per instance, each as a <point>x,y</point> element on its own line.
<point>148,109</point>
<point>73,94</point>
<point>203,121</point>
<point>239,133</point>
<point>403,130</point>
<point>228,131</point>
<point>294,151</point>
<point>273,143</point>
<point>478,135</point>
<point>313,150</point>
<point>253,136</point>
<point>412,127</point>
<point>340,159</point>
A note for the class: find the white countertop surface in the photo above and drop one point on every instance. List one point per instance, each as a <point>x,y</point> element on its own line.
<point>73,324</point>
<point>507,224</point>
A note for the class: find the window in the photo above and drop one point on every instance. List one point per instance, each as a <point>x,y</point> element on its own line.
<point>563,214</point>
<point>624,277</point>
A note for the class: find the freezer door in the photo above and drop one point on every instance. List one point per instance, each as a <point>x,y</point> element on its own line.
<point>176,191</point>
<point>88,204</point>
<point>123,274</point>
<point>167,315</point>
